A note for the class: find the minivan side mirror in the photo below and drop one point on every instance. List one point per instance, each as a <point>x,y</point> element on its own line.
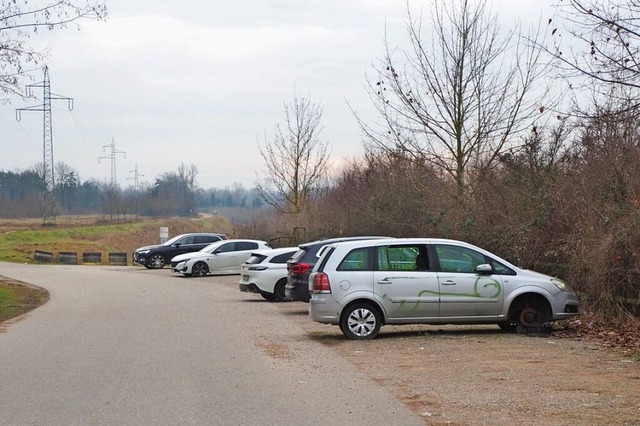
<point>484,269</point>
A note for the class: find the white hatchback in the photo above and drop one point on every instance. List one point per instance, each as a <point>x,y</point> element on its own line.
<point>265,272</point>
<point>223,257</point>
<point>365,284</point>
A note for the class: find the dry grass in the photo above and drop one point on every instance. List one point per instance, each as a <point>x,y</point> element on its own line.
<point>20,238</point>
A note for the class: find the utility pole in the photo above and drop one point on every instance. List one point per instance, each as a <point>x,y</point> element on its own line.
<point>114,183</point>
<point>48,179</point>
<point>136,184</point>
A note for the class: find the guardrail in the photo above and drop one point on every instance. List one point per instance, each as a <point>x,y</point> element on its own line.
<point>71,258</point>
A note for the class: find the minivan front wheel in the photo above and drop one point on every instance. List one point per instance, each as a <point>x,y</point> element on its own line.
<point>360,321</point>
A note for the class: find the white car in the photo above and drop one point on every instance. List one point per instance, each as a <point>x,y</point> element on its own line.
<point>220,257</point>
<point>265,272</point>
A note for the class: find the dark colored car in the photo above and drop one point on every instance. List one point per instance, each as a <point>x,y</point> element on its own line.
<point>155,257</point>
<point>302,262</point>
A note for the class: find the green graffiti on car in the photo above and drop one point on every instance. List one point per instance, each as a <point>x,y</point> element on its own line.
<point>476,293</point>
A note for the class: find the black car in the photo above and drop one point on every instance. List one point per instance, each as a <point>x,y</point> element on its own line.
<point>302,262</point>
<point>155,257</point>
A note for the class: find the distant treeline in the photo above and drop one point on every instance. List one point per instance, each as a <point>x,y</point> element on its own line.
<point>172,194</point>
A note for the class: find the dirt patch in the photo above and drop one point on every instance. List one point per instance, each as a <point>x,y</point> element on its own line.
<point>480,375</point>
<point>275,350</point>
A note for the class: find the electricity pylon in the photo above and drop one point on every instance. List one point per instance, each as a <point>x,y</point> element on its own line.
<point>136,185</point>
<point>48,177</point>
<point>112,187</point>
<point>112,157</point>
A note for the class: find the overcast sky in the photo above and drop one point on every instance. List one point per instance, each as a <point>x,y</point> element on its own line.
<point>203,81</point>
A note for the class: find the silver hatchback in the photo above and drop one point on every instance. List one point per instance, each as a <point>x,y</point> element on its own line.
<point>362,285</point>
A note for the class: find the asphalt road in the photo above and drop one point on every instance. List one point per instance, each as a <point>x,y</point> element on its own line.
<point>128,346</point>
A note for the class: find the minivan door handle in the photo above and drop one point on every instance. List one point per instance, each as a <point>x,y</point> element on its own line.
<point>448,282</point>
<point>384,282</point>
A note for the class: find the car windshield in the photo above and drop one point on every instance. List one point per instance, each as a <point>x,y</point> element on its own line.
<point>211,247</point>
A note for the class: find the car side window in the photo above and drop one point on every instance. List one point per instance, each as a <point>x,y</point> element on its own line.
<point>281,258</point>
<point>355,260</point>
<point>245,245</point>
<point>458,259</point>
<point>403,258</point>
<point>501,269</point>
<point>225,248</point>
<point>186,240</point>
<point>204,239</point>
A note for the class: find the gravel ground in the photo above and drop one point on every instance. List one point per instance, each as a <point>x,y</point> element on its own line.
<point>479,375</point>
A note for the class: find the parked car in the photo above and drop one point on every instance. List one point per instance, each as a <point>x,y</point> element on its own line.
<point>156,256</point>
<point>300,265</point>
<point>265,273</point>
<point>362,285</point>
<point>220,257</point>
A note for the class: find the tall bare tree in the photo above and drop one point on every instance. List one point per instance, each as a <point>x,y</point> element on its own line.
<point>457,96</point>
<point>21,19</point>
<point>296,160</point>
<point>596,45</point>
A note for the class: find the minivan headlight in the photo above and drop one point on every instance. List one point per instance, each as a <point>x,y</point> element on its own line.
<point>562,286</point>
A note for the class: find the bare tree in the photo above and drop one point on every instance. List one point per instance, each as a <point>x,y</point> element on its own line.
<point>607,47</point>
<point>21,20</point>
<point>457,97</point>
<point>296,160</point>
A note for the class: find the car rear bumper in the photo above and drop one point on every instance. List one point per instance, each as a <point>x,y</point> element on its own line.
<point>323,309</point>
<point>297,293</point>
<point>249,288</point>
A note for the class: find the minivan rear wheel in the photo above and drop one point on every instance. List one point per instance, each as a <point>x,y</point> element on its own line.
<point>360,321</point>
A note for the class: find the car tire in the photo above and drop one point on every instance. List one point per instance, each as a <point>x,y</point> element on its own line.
<point>531,316</point>
<point>278,290</point>
<point>360,321</point>
<point>199,269</point>
<point>269,296</point>
<point>157,261</point>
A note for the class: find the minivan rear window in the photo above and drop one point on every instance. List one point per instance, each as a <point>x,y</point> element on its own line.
<point>356,260</point>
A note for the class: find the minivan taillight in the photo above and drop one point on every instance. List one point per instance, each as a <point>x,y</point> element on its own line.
<point>300,268</point>
<point>321,283</point>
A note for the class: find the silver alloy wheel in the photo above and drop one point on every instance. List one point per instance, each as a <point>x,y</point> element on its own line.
<point>200,269</point>
<point>361,321</point>
<point>156,261</point>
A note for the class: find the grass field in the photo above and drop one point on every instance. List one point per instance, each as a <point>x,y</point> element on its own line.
<point>19,238</point>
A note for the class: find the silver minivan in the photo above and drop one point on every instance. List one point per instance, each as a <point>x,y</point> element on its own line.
<point>362,285</point>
